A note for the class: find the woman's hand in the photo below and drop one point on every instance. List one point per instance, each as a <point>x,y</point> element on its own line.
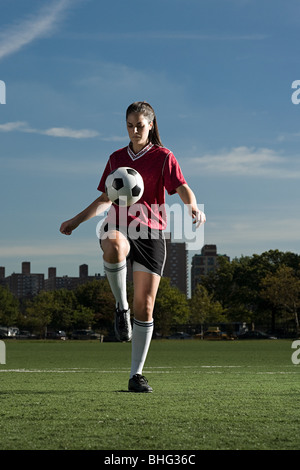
<point>67,227</point>
<point>101,204</point>
<point>199,217</point>
<point>188,198</point>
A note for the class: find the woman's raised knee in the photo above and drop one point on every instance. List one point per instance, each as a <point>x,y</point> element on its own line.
<point>115,250</point>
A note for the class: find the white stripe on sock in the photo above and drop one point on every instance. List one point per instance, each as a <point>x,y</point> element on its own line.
<point>141,339</point>
<point>116,274</point>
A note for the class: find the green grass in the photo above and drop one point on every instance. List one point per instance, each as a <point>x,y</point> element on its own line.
<point>207,395</point>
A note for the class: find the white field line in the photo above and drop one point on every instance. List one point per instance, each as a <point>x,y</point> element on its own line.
<point>149,370</point>
<point>159,369</point>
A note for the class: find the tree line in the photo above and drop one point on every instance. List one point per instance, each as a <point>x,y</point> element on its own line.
<point>259,289</point>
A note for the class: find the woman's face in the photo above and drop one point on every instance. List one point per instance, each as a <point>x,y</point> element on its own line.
<point>138,128</point>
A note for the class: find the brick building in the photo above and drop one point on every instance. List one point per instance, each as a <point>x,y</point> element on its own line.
<point>204,263</point>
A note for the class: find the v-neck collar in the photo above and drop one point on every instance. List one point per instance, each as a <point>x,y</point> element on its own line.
<point>135,156</point>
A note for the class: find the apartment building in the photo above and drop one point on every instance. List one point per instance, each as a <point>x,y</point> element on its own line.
<point>27,284</point>
<point>204,263</point>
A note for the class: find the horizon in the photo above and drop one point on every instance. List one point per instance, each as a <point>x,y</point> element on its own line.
<point>190,255</point>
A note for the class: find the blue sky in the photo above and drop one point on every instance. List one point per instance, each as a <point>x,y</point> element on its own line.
<point>217,72</point>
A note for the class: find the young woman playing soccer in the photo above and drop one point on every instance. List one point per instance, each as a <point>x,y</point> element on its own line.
<point>139,233</point>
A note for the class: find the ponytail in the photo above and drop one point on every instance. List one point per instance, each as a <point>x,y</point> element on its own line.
<point>144,108</point>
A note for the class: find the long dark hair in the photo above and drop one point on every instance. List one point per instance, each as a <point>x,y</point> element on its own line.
<point>146,109</point>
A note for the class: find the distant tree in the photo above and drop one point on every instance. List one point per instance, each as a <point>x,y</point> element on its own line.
<point>39,312</point>
<point>83,317</point>
<point>219,283</point>
<point>171,307</point>
<point>63,306</point>
<point>237,285</point>
<point>97,296</point>
<point>57,310</point>
<point>68,312</point>
<point>229,285</point>
<point>249,280</point>
<point>9,308</point>
<point>282,289</point>
<point>203,309</point>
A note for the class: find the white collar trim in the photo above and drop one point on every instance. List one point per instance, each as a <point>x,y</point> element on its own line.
<point>141,153</point>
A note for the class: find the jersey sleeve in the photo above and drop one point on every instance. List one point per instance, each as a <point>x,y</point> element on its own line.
<point>107,171</point>
<point>172,174</point>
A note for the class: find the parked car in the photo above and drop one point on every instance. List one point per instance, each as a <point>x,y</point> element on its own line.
<point>13,331</point>
<point>85,334</point>
<point>9,331</point>
<point>216,334</point>
<point>23,334</point>
<point>180,335</point>
<point>59,334</point>
<point>255,334</point>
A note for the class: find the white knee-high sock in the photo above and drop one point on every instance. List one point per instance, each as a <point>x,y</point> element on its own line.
<point>116,274</point>
<point>141,338</point>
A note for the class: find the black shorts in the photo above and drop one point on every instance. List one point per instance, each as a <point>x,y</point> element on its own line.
<point>147,250</point>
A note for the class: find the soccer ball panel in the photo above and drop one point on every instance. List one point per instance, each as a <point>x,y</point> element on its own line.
<point>136,191</point>
<point>117,183</point>
<point>124,186</point>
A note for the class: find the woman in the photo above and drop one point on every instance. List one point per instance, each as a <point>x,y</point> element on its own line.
<point>147,252</point>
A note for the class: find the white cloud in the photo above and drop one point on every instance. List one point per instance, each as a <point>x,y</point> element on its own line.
<point>22,126</point>
<point>24,31</point>
<point>12,126</point>
<point>245,161</point>
<point>67,132</point>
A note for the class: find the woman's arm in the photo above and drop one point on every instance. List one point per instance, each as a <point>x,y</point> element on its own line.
<point>188,197</point>
<point>100,204</point>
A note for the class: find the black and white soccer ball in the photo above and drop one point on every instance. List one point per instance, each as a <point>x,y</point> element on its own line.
<point>124,186</point>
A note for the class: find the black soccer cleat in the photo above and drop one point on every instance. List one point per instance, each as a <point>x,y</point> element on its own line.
<point>123,329</point>
<point>139,384</point>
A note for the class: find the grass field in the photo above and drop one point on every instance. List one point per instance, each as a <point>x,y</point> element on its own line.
<point>73,395</point>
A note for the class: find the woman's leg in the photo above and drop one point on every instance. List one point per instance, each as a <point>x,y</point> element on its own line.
<point>115,248</point>
<point>145,290</point>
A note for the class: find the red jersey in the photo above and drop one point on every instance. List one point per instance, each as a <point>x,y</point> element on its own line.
<point>159,170</point>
